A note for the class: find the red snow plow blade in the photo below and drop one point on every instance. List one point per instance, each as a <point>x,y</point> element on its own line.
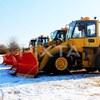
<point>17,59</point>
<point>7,59</point>
<point>26,64</point>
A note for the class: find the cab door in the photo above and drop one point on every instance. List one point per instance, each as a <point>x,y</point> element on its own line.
<point>78,38</point>
<point>91,39</point>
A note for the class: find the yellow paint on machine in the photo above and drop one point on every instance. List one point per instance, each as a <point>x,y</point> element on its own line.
<point>61,63</point>
<point>51,51</point>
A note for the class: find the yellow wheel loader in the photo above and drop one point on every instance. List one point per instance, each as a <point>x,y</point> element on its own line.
<point>43,53</point>
<point>80,50</point>
<point>84,39</point>
<point>41,39</point>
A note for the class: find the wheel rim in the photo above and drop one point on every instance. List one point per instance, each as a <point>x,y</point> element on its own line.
<point>61,63</point>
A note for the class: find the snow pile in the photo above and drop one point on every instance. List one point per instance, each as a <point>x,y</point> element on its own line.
<point>77,86</point>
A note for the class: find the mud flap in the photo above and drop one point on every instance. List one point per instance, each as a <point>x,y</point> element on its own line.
<point>26,65</point>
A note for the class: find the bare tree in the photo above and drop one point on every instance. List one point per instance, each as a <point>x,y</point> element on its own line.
<point>13,45</point>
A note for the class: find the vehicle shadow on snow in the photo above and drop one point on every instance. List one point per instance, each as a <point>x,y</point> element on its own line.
<point>76,74</point>
<point>6,79</point>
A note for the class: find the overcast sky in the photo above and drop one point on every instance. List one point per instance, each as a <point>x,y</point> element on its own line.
<point>27,19</point>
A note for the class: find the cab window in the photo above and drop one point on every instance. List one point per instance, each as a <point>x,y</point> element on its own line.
<point>84,29</point>
<point>91,30</point>
<point>78,33</point>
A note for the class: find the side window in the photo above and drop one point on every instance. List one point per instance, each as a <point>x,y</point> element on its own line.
<point>91,30</point>
<point>62,36</point>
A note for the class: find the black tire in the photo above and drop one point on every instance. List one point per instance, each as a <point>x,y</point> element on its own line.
<point>97,62</point>
<point>52,67</point>
<point>90,69</point>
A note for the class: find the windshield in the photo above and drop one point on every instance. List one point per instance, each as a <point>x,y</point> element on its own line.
<point>82,28</point>
<point>42,40</point>
<point>53,35</point>
<point>71,28</point>
<point>32,42</point>
<point>59,34</point>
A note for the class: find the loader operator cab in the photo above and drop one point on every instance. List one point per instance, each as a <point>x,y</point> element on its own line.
<point>32,42</point>
<point>59,34</point>
<point>81,29</point>
<point>38,44</point>
<point>84,31</point>
<point>41,39</point>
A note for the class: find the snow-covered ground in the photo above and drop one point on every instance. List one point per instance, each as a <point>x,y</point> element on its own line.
<point>78,86</point>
